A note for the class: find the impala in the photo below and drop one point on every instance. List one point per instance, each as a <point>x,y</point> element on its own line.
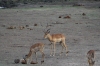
<point>90,56</point>
<point>54,38</point>
<point>34,49</point>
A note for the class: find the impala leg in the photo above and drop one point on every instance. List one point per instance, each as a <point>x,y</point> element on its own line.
<point>36,56</point>
<point>62,49</point>
<point>91,62</point>
<point>43,55</point>
<point>54,49</point>
<point>66,48</point>
<point>27,60</point>
<point>30,58</point>
<point>51,49</point>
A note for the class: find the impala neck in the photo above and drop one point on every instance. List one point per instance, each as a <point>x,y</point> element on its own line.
<point>49,37</point>
<point>29,55</point>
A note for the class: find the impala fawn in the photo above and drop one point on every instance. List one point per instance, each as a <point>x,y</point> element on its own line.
<point>34,49</point>
<point>54,38</point>
<point>90,56</point>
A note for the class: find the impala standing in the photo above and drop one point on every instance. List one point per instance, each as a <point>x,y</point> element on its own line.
<point>54,38</point>
<point>90,56</point>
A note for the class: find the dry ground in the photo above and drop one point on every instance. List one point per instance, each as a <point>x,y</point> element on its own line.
<point>82,34</point>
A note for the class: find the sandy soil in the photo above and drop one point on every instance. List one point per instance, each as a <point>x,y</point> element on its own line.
<point>82,34</point>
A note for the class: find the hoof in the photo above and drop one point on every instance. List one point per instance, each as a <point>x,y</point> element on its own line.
<point>67,52</point>
<point>42,61</point>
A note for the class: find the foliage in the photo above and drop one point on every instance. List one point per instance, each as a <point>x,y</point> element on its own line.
<point>8,3</point>
<point>13,3</point>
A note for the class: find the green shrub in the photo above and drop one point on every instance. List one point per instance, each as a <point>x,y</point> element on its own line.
<point>8,3</point>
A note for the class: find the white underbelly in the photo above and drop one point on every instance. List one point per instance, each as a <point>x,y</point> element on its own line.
<point>58,40</point>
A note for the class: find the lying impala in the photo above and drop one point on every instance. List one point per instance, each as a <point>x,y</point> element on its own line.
<point>54,38</point>
<point>90,56</point>
<point>34,49</point>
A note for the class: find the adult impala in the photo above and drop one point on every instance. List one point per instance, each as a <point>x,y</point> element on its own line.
<point>90,56</point>
<point>34,49</point>
<point>54,38</point>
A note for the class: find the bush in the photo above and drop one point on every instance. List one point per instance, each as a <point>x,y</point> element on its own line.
<point>8,3</point>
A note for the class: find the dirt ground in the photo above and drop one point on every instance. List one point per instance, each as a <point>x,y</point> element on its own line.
<point>82,31</point>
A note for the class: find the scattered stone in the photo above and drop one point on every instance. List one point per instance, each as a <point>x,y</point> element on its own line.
<point>59,16</point>
<point>78,4</point>
<point>30,28</point>
<point>21,27</point>
<point>35,24</point>
<point>11,27</point>
<point>68,17</point>
<point>83,14</point>
<point>76,23</point>
<point>41,6</point>
<point>17,61</point>
<point>3,25</point>
<point>27,25</point>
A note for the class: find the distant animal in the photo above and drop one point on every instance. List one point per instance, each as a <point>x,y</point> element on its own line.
<point>54,38</point>
<point>33,50</point>
<point>90,57</point>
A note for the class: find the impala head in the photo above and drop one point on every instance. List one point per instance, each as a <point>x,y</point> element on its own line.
<point>46,33</point>
<point>25,56</point>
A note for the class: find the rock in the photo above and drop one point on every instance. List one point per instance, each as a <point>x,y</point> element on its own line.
<point>32,62</point>
<point>17,61</point>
